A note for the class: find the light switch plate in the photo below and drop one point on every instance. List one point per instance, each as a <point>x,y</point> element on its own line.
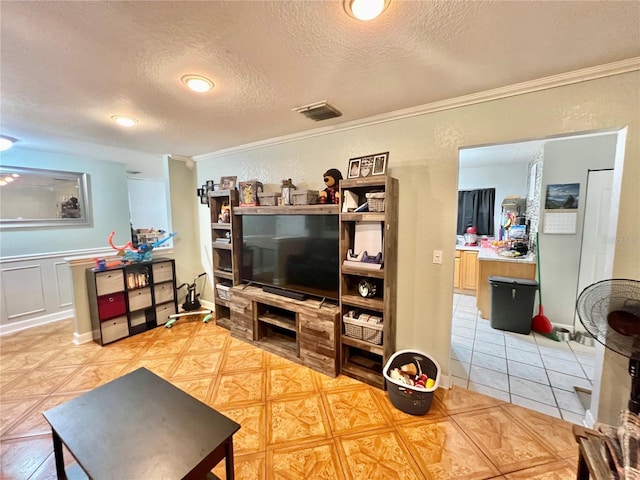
<point>437,257</point>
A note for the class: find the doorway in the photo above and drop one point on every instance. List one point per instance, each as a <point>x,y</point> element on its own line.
<point>531,370</point>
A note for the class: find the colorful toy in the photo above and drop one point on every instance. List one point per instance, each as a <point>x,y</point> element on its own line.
<point>142,253</point>
<point>411,374</point>
<point>331,194</point>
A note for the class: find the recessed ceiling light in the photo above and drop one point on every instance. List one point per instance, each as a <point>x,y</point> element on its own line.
<point>6,142</point>
<point>8,179</point>
<point>197,83</point>
<point>124,121</point>
<point>365,9</point>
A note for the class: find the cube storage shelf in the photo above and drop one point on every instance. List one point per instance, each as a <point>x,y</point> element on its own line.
<point>131,299</point>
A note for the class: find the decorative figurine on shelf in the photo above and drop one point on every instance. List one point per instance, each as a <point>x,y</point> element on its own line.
<point>331,194</point>
<point>287,186</point>
<point>225,214</point>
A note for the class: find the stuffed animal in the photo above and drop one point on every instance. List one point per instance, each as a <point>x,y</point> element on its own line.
<point>331,193</point>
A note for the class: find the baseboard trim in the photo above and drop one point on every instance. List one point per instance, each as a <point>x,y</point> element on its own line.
<point>34,322</point>
<point>445,382</point>
<point>80,338</point>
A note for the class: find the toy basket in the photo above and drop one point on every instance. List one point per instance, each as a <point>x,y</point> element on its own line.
<point>375,201</point>
<point>362,330</point>
<point>409,399</point>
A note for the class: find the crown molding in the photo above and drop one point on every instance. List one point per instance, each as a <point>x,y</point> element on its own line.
<point>554,81</point>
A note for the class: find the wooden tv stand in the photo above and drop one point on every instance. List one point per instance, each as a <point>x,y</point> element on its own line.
<point>302,331</point>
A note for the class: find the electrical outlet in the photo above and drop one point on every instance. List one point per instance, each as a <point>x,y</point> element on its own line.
<point>437,257</point>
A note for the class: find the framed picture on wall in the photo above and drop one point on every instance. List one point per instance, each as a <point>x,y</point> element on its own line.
<point>368,166</point>
<point>562,196</point>
<point>380,164</point>
<point>203,193</point>
<point>228,183</point>
<point>354,168</point>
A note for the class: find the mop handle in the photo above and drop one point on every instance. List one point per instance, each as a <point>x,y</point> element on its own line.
<point>538,260</point>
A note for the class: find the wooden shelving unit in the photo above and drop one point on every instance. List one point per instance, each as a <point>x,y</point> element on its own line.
<point>361,359</point>
<point>303,331</point>
<point>224,235</point>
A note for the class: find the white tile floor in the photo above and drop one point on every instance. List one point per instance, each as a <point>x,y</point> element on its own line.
<point>528,370</point>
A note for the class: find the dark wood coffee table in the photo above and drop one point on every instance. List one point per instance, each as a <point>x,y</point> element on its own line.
<point>141,426</point>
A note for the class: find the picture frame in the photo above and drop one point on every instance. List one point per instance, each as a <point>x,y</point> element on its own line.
<point>380,164</point>
<point>228,183</point>
<point>354,168</point>
<point>563,196</point>
<point>249,193</point>
<point>368,166</point>
<point>203,193</point>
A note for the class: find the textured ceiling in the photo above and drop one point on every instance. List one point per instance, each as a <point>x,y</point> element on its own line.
<point>66,67</point>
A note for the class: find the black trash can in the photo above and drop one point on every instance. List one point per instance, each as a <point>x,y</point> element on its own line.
<point>512,302</point>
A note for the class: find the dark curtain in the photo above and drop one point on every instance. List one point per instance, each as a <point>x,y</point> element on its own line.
<point>475,208</point>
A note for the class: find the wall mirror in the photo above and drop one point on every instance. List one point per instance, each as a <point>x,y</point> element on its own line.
<point>31,197</point>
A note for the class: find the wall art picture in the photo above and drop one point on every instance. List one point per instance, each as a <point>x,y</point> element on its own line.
<point>354,168</point>
<point>228,183</point>
<point>368,166</point>
<point>562,196</point>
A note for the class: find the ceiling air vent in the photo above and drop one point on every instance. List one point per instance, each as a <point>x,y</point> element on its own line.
<point>319,111</point>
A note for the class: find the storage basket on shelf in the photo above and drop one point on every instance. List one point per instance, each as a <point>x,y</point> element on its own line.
<point>375,201</point>
<point>410,399</point>
<point>223,291</point>
<point>304,197</point>
<point>363,330</point>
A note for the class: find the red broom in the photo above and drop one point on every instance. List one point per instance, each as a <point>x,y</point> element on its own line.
<point>540,323</point>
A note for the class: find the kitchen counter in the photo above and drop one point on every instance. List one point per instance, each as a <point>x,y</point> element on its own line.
<point>492,255</point>
<point>467,247</point>
<point>491,264</point>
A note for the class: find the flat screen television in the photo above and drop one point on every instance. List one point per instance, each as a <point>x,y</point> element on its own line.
<point>295,253</point>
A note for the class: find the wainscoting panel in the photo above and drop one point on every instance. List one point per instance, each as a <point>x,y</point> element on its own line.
<point>36,289</point>
<point>65,284</point>
<point>23,293</point>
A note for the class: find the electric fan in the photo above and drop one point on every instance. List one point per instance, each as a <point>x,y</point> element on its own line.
<point>610,311</point>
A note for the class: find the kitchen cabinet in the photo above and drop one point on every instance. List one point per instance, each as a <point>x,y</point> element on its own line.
<point>456,270</point>
<point>469,270</point>
<point>465,277</point>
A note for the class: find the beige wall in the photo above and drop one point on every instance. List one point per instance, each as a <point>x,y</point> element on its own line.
<point>424,157</point>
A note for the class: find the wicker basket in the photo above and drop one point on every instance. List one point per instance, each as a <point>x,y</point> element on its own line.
<point>361,330</point>
<point>375,201</point>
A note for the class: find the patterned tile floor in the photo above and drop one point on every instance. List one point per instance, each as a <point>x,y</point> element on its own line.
<point>532,371</point>
<point>296,423</point>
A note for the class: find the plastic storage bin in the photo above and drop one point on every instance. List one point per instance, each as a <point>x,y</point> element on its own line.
<point>512,302</point>
<point>411,400</point>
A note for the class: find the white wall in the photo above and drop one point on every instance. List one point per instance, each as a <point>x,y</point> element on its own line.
<point>147,202</point>
<point>567,161</point>
<point>508,180</point>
